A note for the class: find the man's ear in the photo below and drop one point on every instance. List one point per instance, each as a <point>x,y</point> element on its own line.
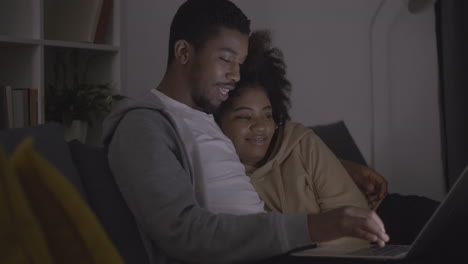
<point>182,50</point>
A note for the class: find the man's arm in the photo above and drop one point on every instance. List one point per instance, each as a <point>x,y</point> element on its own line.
<point>347,221</point>
<point>370,182</point>
<point>146,162</point>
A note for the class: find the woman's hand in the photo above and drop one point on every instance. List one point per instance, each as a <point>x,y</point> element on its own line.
<point>370,182</point>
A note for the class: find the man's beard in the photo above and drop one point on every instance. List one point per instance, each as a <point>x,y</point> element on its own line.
<point>205,105</point>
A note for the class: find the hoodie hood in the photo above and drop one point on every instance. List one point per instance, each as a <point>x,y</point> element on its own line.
<point>122,107</point>
<point>292,136</point>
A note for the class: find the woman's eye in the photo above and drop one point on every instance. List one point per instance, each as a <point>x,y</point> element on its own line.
<point>243,117</point>
<point>269,116</point>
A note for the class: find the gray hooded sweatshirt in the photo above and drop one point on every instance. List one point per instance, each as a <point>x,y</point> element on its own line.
<point>151,168</point>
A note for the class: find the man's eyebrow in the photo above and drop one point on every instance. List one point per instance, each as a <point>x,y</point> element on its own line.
<point>229,50</point>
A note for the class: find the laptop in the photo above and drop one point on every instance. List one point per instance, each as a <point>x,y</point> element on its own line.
<point>453,204</point>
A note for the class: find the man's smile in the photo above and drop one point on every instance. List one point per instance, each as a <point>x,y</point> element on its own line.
<point>223,91</point>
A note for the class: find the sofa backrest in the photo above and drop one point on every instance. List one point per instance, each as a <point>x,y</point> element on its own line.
<point>337,137</point>
<point>107,202</point>
<point>49,142</point>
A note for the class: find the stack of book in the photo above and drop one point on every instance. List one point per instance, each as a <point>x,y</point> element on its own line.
<point>77,20</point>
<point>18,107</point>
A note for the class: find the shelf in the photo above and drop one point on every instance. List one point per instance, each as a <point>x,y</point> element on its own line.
<point>31,59</point>
<point>6,40</point>
<point>20,18</point>
<point>79,45</point>
<point>12,40</point>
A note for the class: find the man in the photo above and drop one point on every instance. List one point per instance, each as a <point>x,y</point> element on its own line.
<point>157,167</point>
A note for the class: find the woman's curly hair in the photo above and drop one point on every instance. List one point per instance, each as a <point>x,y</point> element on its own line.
<point>265,67</point>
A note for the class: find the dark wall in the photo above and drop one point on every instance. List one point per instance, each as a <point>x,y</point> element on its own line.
<point>452,28</point>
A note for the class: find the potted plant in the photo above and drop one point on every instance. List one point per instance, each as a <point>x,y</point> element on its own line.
<point>77,107</point>
<point>71,100</point>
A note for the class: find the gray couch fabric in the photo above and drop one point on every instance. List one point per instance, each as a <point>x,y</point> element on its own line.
<point>106,201</point>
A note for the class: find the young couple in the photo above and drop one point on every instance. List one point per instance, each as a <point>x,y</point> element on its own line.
<point>182,177</point>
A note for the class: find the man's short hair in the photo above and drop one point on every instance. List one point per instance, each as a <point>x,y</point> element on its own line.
<point>196,21</point>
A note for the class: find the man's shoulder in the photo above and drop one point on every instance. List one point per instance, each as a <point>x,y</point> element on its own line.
<point>149,102</point>
<point>154,119</point>
<point>140,116</point>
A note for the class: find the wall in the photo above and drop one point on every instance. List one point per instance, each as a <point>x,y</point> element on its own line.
<point>378,73</point>
<point>406,108</point>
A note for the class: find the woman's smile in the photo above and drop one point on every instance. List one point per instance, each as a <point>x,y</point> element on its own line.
<point>258,140</point>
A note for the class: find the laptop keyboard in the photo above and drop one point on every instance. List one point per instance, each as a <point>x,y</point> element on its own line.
<point>389,250</point>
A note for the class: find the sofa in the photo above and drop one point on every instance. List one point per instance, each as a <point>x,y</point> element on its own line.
<point>85,167</point>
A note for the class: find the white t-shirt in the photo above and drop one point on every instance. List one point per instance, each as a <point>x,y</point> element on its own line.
<point>221,184</point>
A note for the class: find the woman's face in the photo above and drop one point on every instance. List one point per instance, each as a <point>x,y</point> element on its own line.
<point>249,123</point>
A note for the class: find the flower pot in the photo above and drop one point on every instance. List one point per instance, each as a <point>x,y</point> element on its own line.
<point>77,130</point>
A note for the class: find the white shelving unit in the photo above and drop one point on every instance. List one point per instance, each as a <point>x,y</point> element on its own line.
<point>27,58</point>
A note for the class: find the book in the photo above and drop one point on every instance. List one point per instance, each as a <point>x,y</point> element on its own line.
<point>33,107</point>
<point>6,107</point>
<point>103,22</point>
<point>18,107</point>
<point>72,20</point>
<point>20,99</point>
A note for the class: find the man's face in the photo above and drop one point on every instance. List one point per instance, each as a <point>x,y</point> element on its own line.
<point>214,69</point>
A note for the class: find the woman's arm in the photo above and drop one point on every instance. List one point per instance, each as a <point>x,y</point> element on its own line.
<point>370,182</point>
<point>333,186</point>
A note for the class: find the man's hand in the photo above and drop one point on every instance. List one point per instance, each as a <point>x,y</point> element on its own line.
<point>370,182</point>
<point>347,221</point>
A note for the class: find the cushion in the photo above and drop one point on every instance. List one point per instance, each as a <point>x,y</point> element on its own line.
<point>21,237</point>
<point>337,137</point>
<point>107,202</point>
<point>50,143</point>
<point>72,231</point>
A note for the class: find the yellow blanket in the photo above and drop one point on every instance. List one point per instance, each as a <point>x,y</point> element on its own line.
<point>43,218</point>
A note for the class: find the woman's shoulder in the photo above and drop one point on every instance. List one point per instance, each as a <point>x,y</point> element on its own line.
<point>297,130</point>
<point>303,137</point>
<point>295,135</point>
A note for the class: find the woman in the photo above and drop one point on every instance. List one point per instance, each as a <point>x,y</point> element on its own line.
<point>294,173</point>
<point>290,167</point>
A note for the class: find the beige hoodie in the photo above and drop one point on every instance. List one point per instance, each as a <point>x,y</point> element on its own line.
<point>304,176</point>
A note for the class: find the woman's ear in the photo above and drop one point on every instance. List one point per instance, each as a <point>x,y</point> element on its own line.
<point>182,51</point>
